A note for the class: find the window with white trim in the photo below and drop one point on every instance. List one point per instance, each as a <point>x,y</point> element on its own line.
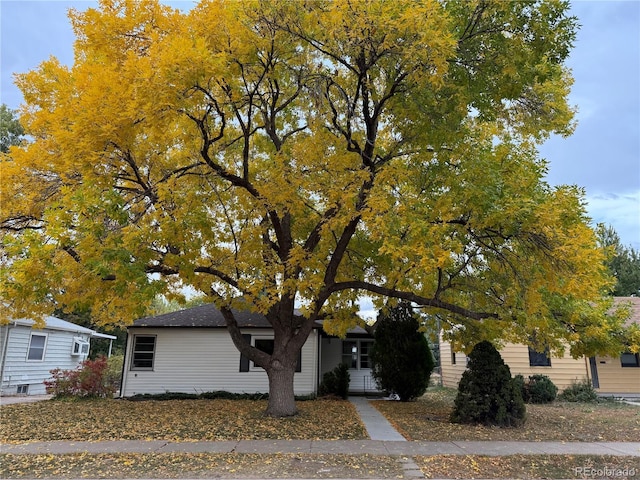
<point>144,349</point>
<point>355,354</point>
<point>80,347</point>
<point>37,345</point>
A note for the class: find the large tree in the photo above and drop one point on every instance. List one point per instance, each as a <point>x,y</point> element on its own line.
<point>623,262</point>
<point>276,153</point>
<point>11,132</point>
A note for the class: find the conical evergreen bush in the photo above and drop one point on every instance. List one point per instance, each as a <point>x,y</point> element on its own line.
<point>401,359</point>
<point>486,393</point>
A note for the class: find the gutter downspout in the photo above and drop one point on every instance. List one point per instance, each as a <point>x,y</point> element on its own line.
<point>319,363</point>
<point>124,364</point>
<point>5,347</point>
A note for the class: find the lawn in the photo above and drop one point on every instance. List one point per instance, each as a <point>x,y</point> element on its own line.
<point>175,420</point>
<point>428,419</point>
<point>192,420</point>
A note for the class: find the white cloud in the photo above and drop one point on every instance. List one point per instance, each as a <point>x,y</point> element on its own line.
<point>621,211</point>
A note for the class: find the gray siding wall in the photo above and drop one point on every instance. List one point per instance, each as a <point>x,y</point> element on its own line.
<point>17,370</point>
<point>196,360</point>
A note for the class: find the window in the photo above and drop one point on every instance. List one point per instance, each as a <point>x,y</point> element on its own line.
<point>36,347</point>
<point>22,389</point>
<point>539,359</point>
<point>355,354</point>
<point>628,359</point>
<point>266,345</point>
<point>365,348</point>
<point>144,347</point>
<point>350,354</point>
<point>80,347</point>
<point>453,357</point>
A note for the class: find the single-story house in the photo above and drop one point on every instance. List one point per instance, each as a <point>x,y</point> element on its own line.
<point>609,376</point>
<point>191,351</point>
<point>28,354</point>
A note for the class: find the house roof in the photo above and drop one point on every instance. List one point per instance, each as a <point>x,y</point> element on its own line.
<point>208,316</point>
<point>634,303</point>
<point>203,316</point>
<point>55,323</point>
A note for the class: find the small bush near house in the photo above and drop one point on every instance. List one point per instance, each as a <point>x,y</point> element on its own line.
<point>486,393</point>
<point>113,373</point>
<point>520,383</point>
<point>579,392</point>
<point>336,382</point>
<point>90,379</point>
<point>541,389</point>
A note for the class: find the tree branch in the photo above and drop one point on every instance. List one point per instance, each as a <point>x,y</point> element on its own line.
<point>412,297</point>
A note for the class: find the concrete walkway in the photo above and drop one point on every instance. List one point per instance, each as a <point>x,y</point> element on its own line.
<point>378,427</point>
<point>4,400</point>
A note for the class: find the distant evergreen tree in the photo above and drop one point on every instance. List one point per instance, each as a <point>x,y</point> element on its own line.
<point>486,393</point>
<point>624,263</point>
<point>401,360</point>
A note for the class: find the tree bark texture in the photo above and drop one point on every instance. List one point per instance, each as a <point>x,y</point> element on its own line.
<point>281,394</point>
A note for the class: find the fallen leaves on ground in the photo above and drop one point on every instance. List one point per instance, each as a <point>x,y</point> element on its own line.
<point>428,419</point>
<point>176,420</point>
<point>231,466</point>
<point>198,465</point>
<point>529,466</point>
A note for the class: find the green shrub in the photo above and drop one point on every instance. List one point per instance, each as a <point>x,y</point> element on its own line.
<point>486,393</point>
<point>579,392</point>
<point>213,395</point>
<point>336,382</point>
<point>113,372</point>
<point>401,360</point>
<point>520,383</point>
<point>540,389</point>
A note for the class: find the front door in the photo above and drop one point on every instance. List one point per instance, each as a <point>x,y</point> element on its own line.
<point>594,372</point>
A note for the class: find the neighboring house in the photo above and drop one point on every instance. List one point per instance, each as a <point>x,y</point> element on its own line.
<point>191,351</point>
<point>28,354</point>
<point>609,376</point>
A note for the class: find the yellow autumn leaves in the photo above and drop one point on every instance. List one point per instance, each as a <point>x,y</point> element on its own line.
<point>323,151</point>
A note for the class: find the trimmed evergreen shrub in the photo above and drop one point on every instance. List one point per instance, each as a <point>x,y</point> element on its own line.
<point>486,393</point>
<point>521,385</point>
<point>579,392</point>
<point>541,389</point>
<point>336,382</point>
<point>401,360</point>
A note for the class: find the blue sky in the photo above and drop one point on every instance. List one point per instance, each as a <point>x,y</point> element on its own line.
<point>603,155</point>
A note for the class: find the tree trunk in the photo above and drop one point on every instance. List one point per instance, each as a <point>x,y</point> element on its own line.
<point>282,402</point>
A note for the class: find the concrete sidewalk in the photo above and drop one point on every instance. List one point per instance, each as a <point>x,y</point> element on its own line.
<point>372,447</point>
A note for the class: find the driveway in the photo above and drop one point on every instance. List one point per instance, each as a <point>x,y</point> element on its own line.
<point>23,399</point>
